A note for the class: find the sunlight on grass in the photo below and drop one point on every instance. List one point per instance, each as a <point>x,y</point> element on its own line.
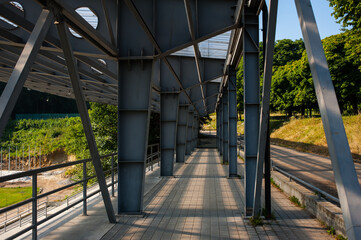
<point>9,196</point>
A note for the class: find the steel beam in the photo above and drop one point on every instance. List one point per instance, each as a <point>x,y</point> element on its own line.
<point>168,130</point>
<point>225,124</point>
<point>348,187</point>
<point>221,126</point>
<point>22,68</point>
<point>232,124</point>
<point>189,133</point>
<point>182,132</point>
<point>195,132</point>
<point>266,93</point>
<point>84,116</point>
<point>251,102</point>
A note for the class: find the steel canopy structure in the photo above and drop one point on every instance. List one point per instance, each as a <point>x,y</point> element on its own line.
<point>175,57</point>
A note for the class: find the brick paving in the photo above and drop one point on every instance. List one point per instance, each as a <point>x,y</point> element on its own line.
<point>200,202</point>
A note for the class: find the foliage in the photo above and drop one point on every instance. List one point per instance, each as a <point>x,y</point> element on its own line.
<point>297,202</point>
<point>9,196</point>
<point>347,12</point>
<point>256,221</point>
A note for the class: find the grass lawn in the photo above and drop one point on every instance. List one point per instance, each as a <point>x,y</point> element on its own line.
<point>9,196</point>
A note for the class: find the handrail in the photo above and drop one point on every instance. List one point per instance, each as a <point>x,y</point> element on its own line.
<point>308,185</point>
<point>152,158</point>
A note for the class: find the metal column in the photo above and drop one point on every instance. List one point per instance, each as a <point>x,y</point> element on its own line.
<point>134,100</point>
<point>182,132</point>
<point>189,133</point>
<point>221,126</point>
<point>168,122</point>
<point>251,102</point>
<point>232,124</point>
<point>217,128</point>
<point>22,68</point>
<point>348,187</point>
<point>195,132</point>
<point>266,93</point>
<point>225,124</point>
<point>84,116</point>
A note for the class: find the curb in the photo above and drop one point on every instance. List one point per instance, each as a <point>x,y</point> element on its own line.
<point>325,211</point>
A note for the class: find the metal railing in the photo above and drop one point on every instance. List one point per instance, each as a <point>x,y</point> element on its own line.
<point>37,208</point>
<point>319,192</point>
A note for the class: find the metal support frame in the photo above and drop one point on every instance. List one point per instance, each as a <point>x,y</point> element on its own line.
<point>23,66</point>
<point>168,130</point>
<point>251,101</point>
<point>266,94</point>
<point>182,133</point>
<point>134,104</point>
<point>220,126</point>
<point>232,124</point>
<point>225,124</point>
<point>63,33</point>
<point>348,187</point>
<point>195,132</point>
<point>189,133</point>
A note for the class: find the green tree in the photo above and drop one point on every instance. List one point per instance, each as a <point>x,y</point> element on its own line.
<point>347,12</point>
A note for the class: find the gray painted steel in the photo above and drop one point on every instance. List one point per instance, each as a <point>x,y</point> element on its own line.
<point>168,131</point>
<point>84,116</point>
<point>251,101</point>
<point>22,68</point>
<point>182,133</point>
<point>348,187</point>
<point>232,124</point>
<point>133,127</point>
<point>267,79</point>
<point>189,133</point>
<point>225,136</point>
<point>221,126</point>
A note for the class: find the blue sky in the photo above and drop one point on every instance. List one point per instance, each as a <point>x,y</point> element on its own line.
<point>288,25</point>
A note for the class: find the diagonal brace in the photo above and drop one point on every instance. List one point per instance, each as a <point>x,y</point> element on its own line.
<point>22,68</point>
<point>267,79</point>
<point>83,111</point>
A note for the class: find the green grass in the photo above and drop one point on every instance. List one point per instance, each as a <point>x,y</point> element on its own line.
<point>307,135</point>
<point>256,221</point>
<point>9,196</point>
<point>297,202</point>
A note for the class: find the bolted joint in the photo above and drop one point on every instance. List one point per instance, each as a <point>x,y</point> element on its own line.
<point>56,10</point>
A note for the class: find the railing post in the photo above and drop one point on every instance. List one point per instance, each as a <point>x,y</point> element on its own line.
<point>34,207</point>
<point>112,176</point>
<point>84,190</point>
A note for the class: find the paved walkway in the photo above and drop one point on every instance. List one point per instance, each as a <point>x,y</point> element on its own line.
<point>200,202</point>
<point>314,169</point>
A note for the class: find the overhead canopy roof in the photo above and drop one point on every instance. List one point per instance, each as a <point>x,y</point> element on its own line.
<point>202,37</point>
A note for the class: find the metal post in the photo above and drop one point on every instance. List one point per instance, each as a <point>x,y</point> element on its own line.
<point>251,101</point>
<point>189,133</point>
<point>225,124</point>
<point>16,157</point>
<point>9,159</point>
<point>83,111</point>
<point>22,68</point>
<point>112,176</point>
<point>1,162</point>
<point>266,93</point>
<point>134,102</point>
<point>232,124</point>
<point>348,187</point>
<point>85,183</point>
<point>182,133</point>
<point>34,213</point>
<point>221,127</point>
<point>40,157</point>
<point>168,122</point>
<point>29,159</point>
<point>195,132</point>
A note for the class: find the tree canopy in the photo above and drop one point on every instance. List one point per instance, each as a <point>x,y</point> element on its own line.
<point>347,12</point>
